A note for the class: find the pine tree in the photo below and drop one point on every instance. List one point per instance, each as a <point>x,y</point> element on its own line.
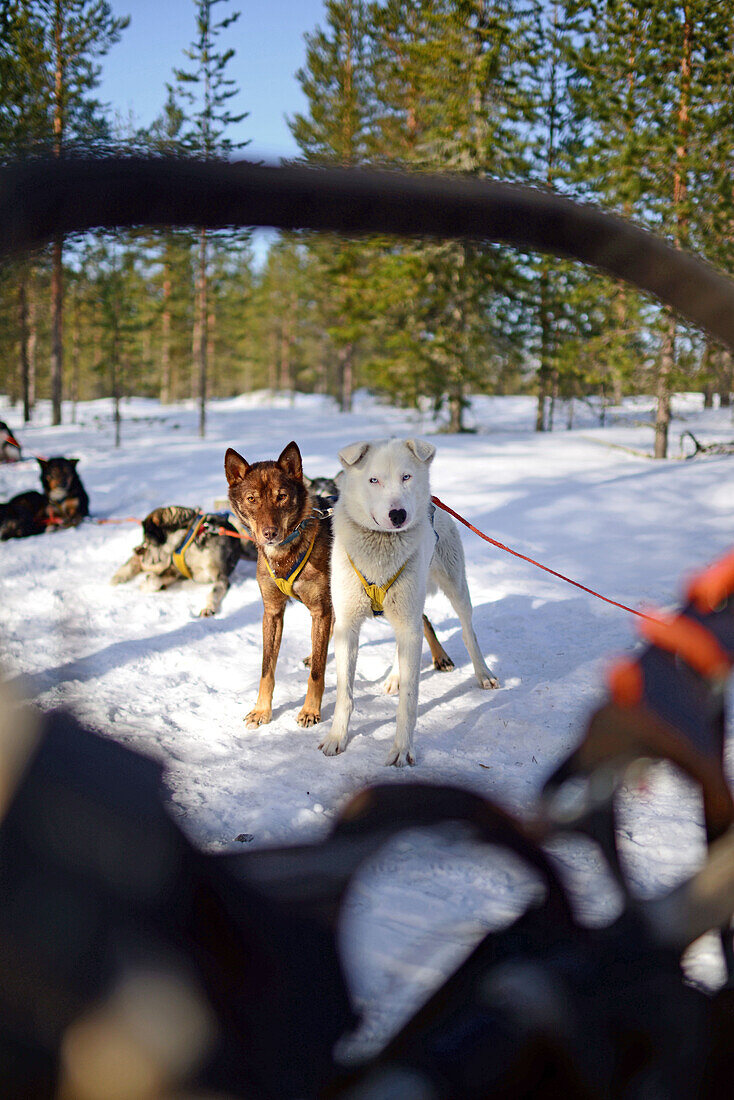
<point>335,132</point>
<point>24,112</point>
<point>209,91</point>
<point>644,70</point>
<point>445,91</point>
<point>77,33</point>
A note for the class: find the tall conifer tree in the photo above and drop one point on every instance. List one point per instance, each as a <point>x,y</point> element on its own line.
<point>209,91</point>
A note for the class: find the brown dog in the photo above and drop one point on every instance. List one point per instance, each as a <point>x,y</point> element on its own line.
<point>294,551</point>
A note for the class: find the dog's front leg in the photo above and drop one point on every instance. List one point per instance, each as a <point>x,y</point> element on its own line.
<point>346,644</point>
<point>217,594</point>
<point>157,582</point>
<point>272,634</point>
<point>132,568</point>
<point>409,637</point>
<point>320,632</point>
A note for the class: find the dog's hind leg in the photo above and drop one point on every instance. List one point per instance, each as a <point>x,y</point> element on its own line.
<point>391,686</point>
<point>217,594</point>
<point>441,659</point>
<point>320,632</point>
<point>346,644</point>
<point>457,591</point>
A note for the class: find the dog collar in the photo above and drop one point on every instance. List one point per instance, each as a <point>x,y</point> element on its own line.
<point>377,592</point>
<point>179,554</point>
<point>285,584</point>
<point>296,531</point>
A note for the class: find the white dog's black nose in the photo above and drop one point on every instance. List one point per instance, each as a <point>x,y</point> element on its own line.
<point>397,516</point>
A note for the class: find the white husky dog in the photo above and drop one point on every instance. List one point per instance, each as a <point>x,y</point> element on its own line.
<point>391,546</point>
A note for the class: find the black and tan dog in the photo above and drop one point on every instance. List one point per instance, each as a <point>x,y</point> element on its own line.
<point>183,543</point>
<point>66,495</point>
<point>294,549</point>
<point>25,514</point>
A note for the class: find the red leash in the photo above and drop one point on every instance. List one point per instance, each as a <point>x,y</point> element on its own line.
<point>501,546</point>
<point>133,519</point>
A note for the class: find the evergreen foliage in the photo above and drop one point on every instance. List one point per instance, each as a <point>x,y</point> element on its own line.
<point>623,103</point>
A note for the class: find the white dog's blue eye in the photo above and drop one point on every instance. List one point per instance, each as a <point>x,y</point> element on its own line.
<point>373,481</point>
<point>406,477</point>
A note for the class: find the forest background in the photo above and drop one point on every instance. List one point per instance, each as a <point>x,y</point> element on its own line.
<point>622,103</point>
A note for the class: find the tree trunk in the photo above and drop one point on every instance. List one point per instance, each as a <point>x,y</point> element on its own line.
<point>32,342</point>
<point>544,370</point>
<point>554,398</point>
<point>704,375</point>
<point>25,371</point>
<point>457,404</point>
<point>726,379</point>
<point>114,374</point>
<point>273,363</point>
<point>211,352</point>
<point>74,364</point>
<point>540,410</point>
<point>57,254</point>
<point>203,334</point>
<point>57,311</point>
<point>662,419</point>
<point>165,390</point>
<point>346,377</point>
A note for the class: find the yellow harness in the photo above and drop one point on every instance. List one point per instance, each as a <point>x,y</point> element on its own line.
<point>377,592</point>
<point>285,584</point>
<point>179,555</point>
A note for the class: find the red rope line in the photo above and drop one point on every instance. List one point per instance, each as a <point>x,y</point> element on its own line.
<point>134,519</point>
<point>532,561</point>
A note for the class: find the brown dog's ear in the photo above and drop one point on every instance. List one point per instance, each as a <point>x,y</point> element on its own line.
<point>423,451</point>
<point>290,460</point>
<point>354,453</point>
<point>235,466</point>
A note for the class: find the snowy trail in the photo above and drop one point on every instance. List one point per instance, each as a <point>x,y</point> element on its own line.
<point>143,669</point>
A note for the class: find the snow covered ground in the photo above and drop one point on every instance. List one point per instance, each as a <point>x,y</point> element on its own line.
<point>144,670</point>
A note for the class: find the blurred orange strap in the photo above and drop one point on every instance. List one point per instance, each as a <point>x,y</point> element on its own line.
<point>689,640</point>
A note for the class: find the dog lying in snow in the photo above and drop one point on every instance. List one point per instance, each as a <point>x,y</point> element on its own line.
<point>294,545</point>
<point>23,515</point>
<point>182,543</point>
<point>390,547</point>
<point>67,497</point>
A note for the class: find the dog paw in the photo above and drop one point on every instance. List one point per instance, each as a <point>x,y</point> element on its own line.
<point>332,746</point>
<point>391,686</point>
<point>488,681</point>
<point>308,718</point>
<point>206,612</point>
<point>399,757</point>
<point>257,718</point>
<point>444,664</point>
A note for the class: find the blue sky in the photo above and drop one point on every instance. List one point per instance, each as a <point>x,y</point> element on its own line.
<point>267,38</point>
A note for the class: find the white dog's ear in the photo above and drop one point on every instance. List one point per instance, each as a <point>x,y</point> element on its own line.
<point>235,466</point>
<point>423,451</point>
<point>353,454</point>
